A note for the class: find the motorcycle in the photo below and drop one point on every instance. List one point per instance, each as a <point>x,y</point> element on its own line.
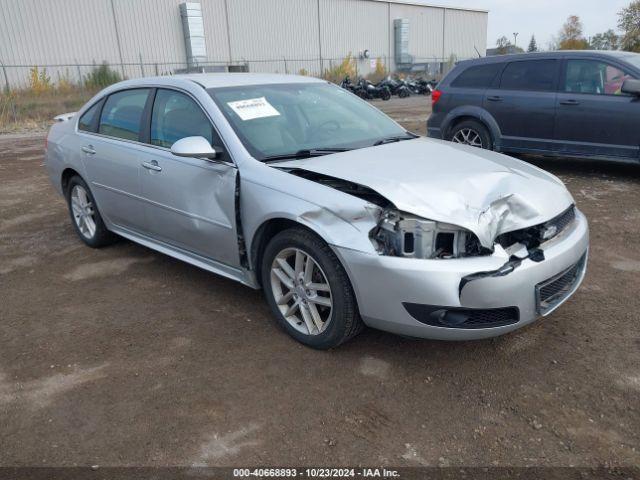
<point>368,90</point>
<point>396,87</point>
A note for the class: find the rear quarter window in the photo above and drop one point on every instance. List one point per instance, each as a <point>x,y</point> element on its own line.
<point>87,122</point>
<point>479,76</point>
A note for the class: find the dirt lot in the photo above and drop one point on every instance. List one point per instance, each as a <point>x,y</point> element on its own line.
<point>124,356</point>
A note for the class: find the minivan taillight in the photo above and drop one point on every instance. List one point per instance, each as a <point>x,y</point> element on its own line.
<point>435,96</point>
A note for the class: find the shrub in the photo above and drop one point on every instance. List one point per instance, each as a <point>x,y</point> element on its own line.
<point>379,73</point>
<point>64,84</point>
<point>346,67</point>
<point>101,76</point>
<point>39,81</point>
<point>303,71</point>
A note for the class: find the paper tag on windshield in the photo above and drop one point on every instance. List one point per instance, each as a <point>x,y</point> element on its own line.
<point>253,108</point>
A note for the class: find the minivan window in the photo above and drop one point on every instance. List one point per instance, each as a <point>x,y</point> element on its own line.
<point>532,75</point>
<point>122,114</point>
<point>175,116</point>
<point>594,77</point>
<point>86,122</point>
<point>480,76</point>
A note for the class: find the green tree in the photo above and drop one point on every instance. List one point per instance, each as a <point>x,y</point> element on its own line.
<point>533,45</point>
<point>605,41</point>
<point>571,37</point>
<point>629,24</point>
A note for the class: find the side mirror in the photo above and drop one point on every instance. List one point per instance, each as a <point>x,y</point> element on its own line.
<point>195,147</point>
<point>631,87</point>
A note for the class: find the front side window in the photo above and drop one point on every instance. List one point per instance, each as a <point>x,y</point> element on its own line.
<point>175,116</point>
<point>122,114</point>
<point>594,77</point>
<point>282,119</point>
<point>480,76</point>
<point>531,75</point>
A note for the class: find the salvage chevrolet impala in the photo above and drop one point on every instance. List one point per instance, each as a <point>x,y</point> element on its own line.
<point>341,216</point>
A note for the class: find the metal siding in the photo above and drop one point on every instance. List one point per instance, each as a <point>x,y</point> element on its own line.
<point>463,31</point>
<point>215,29</point>
<point>262,33</point>
<point>425,29</point>
<point>264,30</point>
<point>352,26</point>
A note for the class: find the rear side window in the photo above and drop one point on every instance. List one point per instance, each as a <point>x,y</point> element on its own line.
<point>175,116</point>
<point>533,75</point>
<point>87,120</point>
<point>480,76</point>
<point>122,114</point>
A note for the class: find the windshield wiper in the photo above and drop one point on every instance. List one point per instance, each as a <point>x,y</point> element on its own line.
<point>398,138</point>
<point>306,153</point>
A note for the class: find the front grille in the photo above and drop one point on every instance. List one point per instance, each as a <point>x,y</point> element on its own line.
<point>534,236</point>
<point>469,318</point>
<point>552,292</point>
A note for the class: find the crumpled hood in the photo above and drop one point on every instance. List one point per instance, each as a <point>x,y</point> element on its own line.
<point>482,191</point>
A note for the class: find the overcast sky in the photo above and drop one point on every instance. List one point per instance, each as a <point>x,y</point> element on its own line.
<point>544,18</point>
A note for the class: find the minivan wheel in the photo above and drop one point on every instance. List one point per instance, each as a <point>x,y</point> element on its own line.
<point>85,216</point>
<point>308,290</point>
<point>473,133</point>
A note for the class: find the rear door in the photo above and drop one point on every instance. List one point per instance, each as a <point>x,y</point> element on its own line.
<point>593,116</point>
<point>189,202</point>
<point>111,157</point>
<point>523,102</point>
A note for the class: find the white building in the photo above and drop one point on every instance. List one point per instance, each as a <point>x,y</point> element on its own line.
<point>149,36</point>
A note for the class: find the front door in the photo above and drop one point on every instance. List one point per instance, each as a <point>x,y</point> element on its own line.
<point>523,102</point>
<point>593,116</point>
<point>189,202</point>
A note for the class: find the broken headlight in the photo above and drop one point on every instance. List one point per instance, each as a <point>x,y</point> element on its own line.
<point>403,235</point>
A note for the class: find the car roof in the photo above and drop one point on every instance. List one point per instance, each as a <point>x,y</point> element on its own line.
<point>555,54</point>
<point>221,80</point>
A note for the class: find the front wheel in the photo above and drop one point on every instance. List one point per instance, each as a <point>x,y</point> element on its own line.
<point>472,133</point>
<point>308,291</point>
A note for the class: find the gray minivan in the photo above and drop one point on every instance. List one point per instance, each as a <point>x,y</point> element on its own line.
<point>566,103</point>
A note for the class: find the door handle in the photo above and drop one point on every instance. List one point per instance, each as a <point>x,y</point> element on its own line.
<point>88,150</point>
<point>152,165</point>
<point>494,98</point>
<point>570,102</point>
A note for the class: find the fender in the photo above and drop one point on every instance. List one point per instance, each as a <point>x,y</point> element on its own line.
<point>478,113</point>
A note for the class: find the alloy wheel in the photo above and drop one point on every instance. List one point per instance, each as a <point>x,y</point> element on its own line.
<point>468,136</point>
<point>83,212</point>
<point>301,291</point>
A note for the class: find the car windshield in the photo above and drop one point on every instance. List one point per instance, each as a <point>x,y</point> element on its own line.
<point>303,118</point>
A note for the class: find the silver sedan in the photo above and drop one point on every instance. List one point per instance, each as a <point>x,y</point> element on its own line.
<point>341,216</point>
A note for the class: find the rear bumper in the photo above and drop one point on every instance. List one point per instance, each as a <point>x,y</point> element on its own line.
<point>392,291</point>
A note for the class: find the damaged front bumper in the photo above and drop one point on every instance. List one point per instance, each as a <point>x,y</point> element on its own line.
<point>467,298</point>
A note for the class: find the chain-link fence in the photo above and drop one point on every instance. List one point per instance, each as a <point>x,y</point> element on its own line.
<point>16,77</point>
<point>31,95</point>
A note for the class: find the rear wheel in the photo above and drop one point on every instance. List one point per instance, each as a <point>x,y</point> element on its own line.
<point>85,216</point>
<point>473,133</point>
<point>308,290</point>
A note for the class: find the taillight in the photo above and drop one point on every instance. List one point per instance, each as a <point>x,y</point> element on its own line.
<point>435,96</point>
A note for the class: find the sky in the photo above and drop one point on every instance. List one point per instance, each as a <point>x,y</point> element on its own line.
<point>544,18</point>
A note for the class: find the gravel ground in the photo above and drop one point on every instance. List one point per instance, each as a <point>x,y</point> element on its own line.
<point>123,356</point>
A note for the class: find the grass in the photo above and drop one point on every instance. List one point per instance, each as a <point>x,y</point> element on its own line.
<point>27,110</point>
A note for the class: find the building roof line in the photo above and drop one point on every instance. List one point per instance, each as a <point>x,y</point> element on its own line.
<point>433,5</point>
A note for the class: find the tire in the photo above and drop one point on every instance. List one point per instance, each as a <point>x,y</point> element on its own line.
<point>85,216</point>
<point>328,326</point>
<point>386,94</point>
<point>476,133</point>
